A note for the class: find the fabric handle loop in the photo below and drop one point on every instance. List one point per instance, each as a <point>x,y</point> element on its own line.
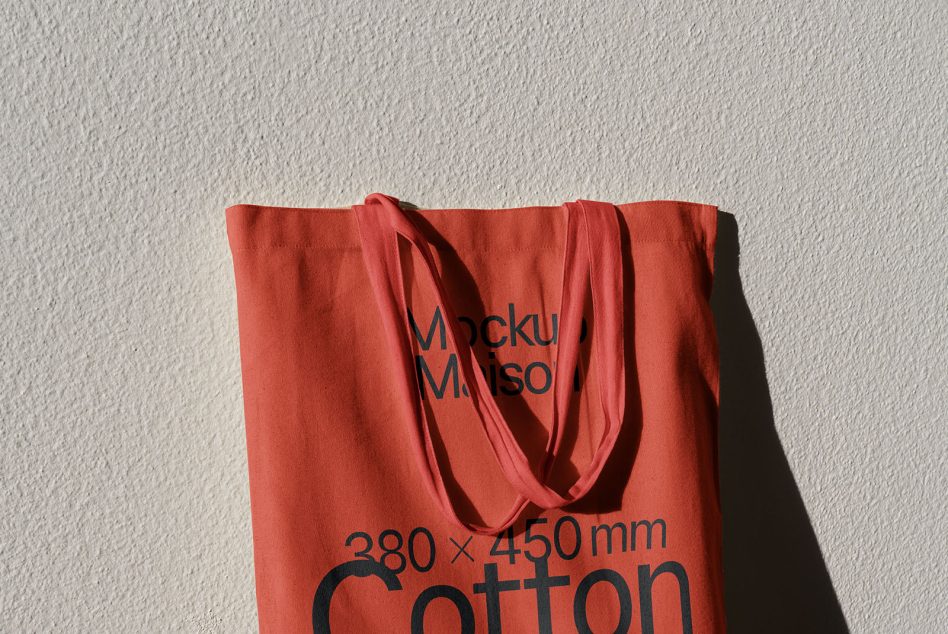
<point>592,259</point>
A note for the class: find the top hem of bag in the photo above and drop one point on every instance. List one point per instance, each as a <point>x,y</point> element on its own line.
<point>282,208</point>
<point>238,245</point>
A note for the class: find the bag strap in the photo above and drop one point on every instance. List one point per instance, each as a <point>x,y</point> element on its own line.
<point>592,259</point>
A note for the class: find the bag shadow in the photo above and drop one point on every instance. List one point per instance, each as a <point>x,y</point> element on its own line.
<point>776,579</point>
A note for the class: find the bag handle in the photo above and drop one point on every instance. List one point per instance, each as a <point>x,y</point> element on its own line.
<point>592,259</point>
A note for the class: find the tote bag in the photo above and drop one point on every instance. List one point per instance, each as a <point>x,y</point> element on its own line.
<point>481,420</point>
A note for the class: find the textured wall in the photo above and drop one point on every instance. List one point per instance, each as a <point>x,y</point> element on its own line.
<point>126,128</point>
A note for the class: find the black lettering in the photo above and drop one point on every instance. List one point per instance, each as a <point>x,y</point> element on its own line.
<point>332,580</point>
<point>492,588</point>
<point>581,617</point>
<point>515,379</point>
<point>437,323</point>
<point>450,373</point>
<point>548,377</point>
<point>517,328</point>
<point>604,527</point>
<point>647,578</point>
<point>542,582</point>
<point>648,532</point>
<point>471,328</point>
<point>484,336</point>
<point>465,611</point>
<point>536,333</point>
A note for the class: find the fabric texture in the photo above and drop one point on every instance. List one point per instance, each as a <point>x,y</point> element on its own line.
<point>481,420</point>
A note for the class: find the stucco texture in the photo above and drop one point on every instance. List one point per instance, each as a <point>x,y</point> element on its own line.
<point>127,128</point>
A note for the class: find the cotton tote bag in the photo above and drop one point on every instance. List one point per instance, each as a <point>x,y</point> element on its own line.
<point>481,420</point>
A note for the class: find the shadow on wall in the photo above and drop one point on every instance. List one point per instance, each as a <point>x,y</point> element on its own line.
<point>775,577</point>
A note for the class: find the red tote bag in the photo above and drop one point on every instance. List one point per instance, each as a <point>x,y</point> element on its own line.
<point>481,420</point>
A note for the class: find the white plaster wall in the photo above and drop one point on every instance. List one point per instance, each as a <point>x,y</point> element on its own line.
<point>126,128</point>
